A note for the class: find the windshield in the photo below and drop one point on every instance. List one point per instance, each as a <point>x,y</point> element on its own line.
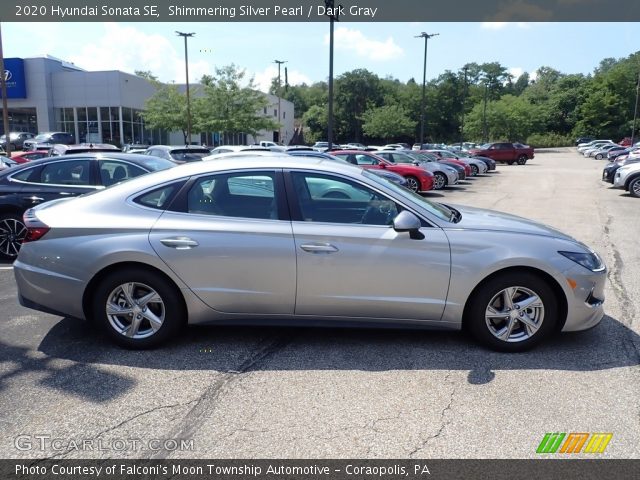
<point>437,209</point>
<point>41,137</point>
<point>402,158</point>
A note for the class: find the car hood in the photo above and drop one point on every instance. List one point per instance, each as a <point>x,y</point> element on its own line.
<point>481,219</point>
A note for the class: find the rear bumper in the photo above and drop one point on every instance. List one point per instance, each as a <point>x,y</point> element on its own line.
<point>48,291</point>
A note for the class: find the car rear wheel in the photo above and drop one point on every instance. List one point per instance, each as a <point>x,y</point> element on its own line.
<point>512,312</point>
<point>522,159</point>
<point>439,181</point>
<point>12,233</point>
<point>138,309</point>
<point>634,187</point>
<point>413,184</point>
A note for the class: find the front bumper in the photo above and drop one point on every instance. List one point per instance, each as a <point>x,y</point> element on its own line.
<point>585,303</point>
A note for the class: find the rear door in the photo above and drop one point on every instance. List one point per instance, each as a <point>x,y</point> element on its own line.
<point>229,238</point>
<point>56,179</point>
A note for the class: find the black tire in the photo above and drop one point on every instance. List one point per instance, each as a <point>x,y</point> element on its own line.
<point>12,232</point>
<point>171,311</point>
<point>525,285</point>
<point>634,187</point>
<point>599,156</point>
<point>474,170</point>
<point>439,181</point>
<point>510,162</point>
<point>413,184</point>
<point>522,159</point>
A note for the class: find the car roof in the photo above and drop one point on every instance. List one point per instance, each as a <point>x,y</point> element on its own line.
<point>236,162</point>
<point>131,157</point>
<point>177,147</point>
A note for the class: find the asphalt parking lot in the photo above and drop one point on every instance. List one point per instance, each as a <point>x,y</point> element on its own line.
<point>65,392</point>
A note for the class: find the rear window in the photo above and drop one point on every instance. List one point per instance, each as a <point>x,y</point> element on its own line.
<point>154,163</point>
<point>158,198</point>
<point>190,155</point>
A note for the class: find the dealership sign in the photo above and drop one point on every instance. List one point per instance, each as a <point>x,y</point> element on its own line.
<point>14,78</point>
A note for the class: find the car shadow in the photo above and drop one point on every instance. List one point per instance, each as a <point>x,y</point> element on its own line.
<point>431,194</point>
<point>95,385</point>
<point>238,349</point>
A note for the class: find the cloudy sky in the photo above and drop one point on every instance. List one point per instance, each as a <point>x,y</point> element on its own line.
<point>387,49</point>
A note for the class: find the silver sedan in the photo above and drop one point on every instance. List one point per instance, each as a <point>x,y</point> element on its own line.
<point>254,240</point>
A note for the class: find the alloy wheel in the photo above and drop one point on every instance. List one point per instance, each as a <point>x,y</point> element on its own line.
<point>12,233</point>
<point>439,182</point>
<point>514,314</point>
<point>412,184</point>
<point>135,310</point>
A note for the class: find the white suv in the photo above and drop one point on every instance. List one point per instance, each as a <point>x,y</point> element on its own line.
<point>628,177</point>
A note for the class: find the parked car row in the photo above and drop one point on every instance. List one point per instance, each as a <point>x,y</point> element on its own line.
<point>623,171</point>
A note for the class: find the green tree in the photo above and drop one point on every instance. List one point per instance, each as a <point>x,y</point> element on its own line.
<point>388,122</point>
<point>166,109</point>
<point>355,92</point>
<point>227,106</point>
<point>315,119</point>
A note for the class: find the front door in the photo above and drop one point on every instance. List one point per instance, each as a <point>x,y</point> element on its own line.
<point>352,263</point>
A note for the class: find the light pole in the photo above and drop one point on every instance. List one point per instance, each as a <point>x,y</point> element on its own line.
<point>186,68</point>
<point>635,113</point>
<point>485,134</point>
<point>5,107</point>
<point>426,37</point>
<point>279,62</point>
<point>464,96</point>
<point>333,17</point>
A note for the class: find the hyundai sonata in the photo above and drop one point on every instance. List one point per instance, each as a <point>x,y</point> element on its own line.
<point>267,240</point>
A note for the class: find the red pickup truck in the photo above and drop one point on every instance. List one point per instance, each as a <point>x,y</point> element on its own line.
<point>504,152</point>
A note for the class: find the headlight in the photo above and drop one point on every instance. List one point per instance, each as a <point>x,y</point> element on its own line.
<point>590,261</point>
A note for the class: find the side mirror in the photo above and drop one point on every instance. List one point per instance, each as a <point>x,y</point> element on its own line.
<point>382,164</point>
<point>416,163</point>
<point>406,221</point>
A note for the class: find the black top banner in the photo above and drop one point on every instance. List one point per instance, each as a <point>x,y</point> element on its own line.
<point>319,11</point>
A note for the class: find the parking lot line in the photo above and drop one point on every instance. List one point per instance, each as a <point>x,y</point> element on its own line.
<point>6,268</point>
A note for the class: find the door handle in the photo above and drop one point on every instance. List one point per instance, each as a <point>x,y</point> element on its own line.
<point>319,248</point>
<point>179,243</point>
<point>35,199</point>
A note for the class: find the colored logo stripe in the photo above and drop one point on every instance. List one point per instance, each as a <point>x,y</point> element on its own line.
<point>598,442</point>
<point>550,443</point>
<point>574,442</point>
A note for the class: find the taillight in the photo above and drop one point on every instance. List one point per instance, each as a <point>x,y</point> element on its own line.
<point>36,229</point>
<point>35,233</point>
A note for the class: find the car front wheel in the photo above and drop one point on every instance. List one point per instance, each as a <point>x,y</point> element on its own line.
<point>138,309</point>
<point>512,312</point>
<point>439,181</point>
<point>12,233</point>
<point>474,170</point>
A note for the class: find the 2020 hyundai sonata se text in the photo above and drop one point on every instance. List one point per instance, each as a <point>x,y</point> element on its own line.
<point>267,240</point>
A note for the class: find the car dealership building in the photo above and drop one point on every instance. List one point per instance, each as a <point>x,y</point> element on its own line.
<point>49,94</point>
